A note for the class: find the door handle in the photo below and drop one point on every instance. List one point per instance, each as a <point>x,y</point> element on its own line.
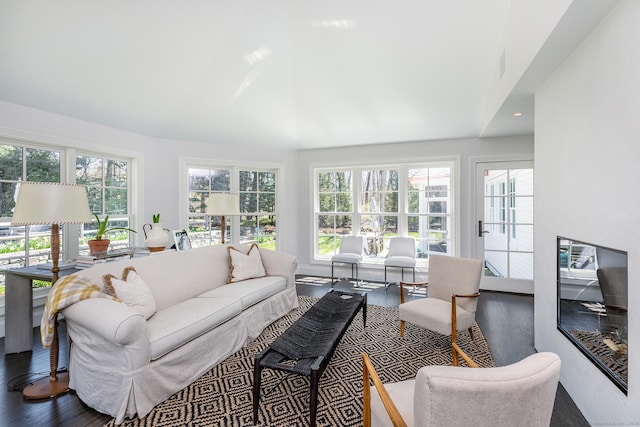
<point>480,230</point>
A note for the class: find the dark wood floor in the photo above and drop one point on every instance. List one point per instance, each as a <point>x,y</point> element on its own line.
<point>505,319</point>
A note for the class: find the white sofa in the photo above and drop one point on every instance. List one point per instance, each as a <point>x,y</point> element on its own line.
<point>123,365</point>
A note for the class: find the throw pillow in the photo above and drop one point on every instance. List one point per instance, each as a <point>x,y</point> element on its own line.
<point>132,291</point>
<point>243,267</point>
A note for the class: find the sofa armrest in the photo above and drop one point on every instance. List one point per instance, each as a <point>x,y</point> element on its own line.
<point>101,326</point>
<point>280,264</point>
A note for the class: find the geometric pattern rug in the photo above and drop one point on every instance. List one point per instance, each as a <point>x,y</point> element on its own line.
<point>223,396</point>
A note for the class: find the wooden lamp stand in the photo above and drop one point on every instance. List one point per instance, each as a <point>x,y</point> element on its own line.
<point>56,383</point>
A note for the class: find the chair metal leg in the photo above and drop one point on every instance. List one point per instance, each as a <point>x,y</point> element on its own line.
<point>332,282</point>
<point>357,279</point>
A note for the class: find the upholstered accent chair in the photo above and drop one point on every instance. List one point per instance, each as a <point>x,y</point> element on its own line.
<point>452,297</point>
<point>613,285</point>
<point>520,394</point>
<point>351,249</point>
<point>402,254</point>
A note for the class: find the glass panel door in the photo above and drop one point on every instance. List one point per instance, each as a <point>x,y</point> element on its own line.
<point>504,227</point>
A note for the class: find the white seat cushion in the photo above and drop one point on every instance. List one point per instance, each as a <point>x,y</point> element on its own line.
<point>400,261</point>
<point>249,292</point>
<point>348,258</point>
<point>435,314</point>
<point>402,395</point>
<point>182,322</point>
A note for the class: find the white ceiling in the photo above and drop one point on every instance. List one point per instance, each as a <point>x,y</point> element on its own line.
<point>290,74</point>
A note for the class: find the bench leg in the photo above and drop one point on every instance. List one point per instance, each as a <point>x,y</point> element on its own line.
<point>257,377</point>
<point>313,397</point>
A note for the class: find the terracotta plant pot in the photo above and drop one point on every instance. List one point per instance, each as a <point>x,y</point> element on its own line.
<point>98,247</point>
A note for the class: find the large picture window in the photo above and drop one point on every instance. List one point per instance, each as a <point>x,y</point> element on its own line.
<point>382,202</point>
<point>257,191</point>
<point>108,188</point>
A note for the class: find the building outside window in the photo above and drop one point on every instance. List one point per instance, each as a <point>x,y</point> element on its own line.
<point>402,200</point>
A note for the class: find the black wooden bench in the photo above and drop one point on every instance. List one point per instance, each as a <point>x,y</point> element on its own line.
<point>307,346</point>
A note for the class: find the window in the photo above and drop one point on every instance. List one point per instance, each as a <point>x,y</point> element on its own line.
<point>107,181</point>
<point>24,245</point>
<point>429,208</point>
<point>402,200</point>
<point>108,187</point>
<point>258,202</point>
<point>257,192</point>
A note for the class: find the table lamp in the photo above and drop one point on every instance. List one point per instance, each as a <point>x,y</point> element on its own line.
<point>223,204</point>
<point>51,203</point>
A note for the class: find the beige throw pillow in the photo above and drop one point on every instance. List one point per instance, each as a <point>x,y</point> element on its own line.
<point>132,291</point>
<point>243,267</point>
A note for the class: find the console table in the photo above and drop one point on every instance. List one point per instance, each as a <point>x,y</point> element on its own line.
<point>18,306</point>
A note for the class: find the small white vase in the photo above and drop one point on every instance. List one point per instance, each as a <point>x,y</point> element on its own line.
<point>156,238</point>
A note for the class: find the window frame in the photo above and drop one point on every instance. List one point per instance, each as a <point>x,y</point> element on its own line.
<point>232,223</point>
<point>402,211</point>
<point>129,217</point>
<point>68,150</point>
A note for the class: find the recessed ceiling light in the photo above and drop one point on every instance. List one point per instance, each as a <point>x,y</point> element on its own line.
<point>517,114</point>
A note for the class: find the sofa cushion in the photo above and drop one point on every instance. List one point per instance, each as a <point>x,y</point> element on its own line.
<point>243,267</point>
<point>249,291</point>
<point>176,325</point>
<point>131,290</point>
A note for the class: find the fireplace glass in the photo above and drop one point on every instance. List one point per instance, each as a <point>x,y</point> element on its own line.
<point>592,304</point>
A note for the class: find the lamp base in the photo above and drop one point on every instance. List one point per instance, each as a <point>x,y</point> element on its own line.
<point>48,387</point>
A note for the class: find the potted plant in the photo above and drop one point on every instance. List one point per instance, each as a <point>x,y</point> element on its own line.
<point>100,244</point>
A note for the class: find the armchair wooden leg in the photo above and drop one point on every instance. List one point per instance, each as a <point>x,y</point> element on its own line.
<point>402,328</point>
<point>471,334</point>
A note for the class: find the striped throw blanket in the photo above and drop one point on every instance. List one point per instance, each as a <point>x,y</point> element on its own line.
<point>67,291</point>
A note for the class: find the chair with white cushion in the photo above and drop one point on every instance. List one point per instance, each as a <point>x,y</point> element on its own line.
<point>351,248</point>
<point>453,291</point>
<point>520,394</point>
<point>402,254</point>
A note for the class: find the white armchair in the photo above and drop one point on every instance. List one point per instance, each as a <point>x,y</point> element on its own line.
<point>521,394</point>
<point>452,298</point>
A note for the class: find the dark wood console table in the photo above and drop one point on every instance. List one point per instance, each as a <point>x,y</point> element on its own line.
<point>307,346</point>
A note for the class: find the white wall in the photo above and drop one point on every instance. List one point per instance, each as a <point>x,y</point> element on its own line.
<point>587,181</point>
<point>465,152</point>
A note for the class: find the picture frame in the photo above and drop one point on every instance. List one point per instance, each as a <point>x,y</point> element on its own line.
<point>181,239</point>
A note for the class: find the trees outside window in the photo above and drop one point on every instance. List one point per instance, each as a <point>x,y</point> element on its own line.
<point>108,188</point>
<point>402,200</point>
<point>24,245</point>
<point>257,193</point>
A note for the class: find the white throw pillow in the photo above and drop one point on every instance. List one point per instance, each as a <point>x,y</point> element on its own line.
<point>243,267</point>
<point>132,291</point>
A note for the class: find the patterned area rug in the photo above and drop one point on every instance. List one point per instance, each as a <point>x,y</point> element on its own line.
<point>223,396</point>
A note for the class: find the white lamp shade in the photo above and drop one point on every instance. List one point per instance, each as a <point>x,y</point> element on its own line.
<point>223,204</point>
<point>51,203</point>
